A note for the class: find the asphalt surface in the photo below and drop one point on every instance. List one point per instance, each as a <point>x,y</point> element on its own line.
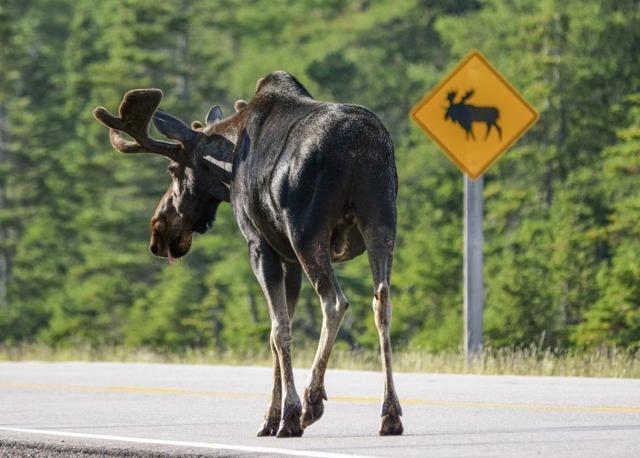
<point>111,409</point>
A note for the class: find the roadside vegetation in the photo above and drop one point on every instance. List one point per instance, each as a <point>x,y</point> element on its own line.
<point>612,362</point>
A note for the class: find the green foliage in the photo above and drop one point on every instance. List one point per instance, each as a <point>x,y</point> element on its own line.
<point>561,232</point>
<point>615,317</point>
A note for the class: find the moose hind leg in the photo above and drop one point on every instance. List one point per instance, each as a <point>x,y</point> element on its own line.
<point>317,266</point>
<point>391,409</point>
<point>380,243</point>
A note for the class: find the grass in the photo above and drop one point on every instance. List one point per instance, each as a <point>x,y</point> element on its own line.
<point>505,361</point>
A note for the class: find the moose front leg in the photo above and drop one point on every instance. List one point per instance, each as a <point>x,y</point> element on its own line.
<point>269,271</point>
<point>292,280</point>
<point>274,413</point>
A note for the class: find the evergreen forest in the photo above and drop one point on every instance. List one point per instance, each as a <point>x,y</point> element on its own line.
<point>562,239</point>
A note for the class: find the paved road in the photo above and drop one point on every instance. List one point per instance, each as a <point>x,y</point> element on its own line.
<point>113,409</point>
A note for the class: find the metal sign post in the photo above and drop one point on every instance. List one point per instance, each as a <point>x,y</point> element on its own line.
<point>473,264</point>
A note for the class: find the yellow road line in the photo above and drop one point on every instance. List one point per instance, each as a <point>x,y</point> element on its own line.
<point>498,405</point>
<point>133,389</point>
<point>346,399</point>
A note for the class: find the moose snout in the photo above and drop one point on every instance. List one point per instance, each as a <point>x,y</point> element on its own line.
<point>155,243</point>
<point>154,246</point>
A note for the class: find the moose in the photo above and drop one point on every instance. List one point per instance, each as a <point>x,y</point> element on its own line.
<point>310,184</point>
<point>466,115</point>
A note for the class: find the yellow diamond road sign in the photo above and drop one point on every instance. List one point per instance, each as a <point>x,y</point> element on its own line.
<point>474,114</point>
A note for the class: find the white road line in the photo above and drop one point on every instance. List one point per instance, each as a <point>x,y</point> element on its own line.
<point>207,445</point>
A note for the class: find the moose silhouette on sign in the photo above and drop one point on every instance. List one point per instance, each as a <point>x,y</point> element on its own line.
<point>465,114</point>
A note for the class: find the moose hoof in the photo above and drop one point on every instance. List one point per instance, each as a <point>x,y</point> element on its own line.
<point>391,425</point>
<point>290,424</point>
<point>269,427</point>
<point>313,407</point>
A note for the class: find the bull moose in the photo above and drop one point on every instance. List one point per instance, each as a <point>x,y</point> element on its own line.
<point>310,183</point>
<point>466,114</point>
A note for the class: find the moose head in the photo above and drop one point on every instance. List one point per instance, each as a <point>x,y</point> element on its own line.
<point>200,166</point>
<point>454,109</point>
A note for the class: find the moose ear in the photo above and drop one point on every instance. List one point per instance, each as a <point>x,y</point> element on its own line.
<point>239,104</point>
<point>172,127</point>
<point>214,115</point>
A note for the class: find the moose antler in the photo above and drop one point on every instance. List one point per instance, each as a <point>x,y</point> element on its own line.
<point>451,96</point>
<point>466,95</point>
<point>136,110</point>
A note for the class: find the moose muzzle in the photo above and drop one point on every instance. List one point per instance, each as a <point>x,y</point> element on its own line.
<point>166,242</point>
